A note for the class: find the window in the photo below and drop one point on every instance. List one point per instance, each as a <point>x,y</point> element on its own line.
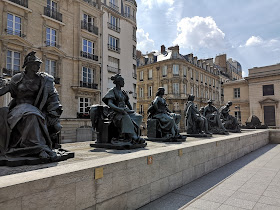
<point>83,104</point>
<point>88,19</point>
<point>114,23</point>
<point>165,88</point>
<point>127,11</point>
<point>113,44</point>
<point>237,115</point>
<point>134,75</point>
<point>175,54</point>
<point>213,83</point>
<point>206,94</point>
<point>150,92</point>
<point>175,69</point>
<point>185,88</point>
<point>150,74</point>
<point>113,64</point>
<point>88,46</point>
<point>268,90</point>
<point>192,92</point>
<point>164,71</point>
<point>88,24</point>
<point>52,5</point>
<point>185,71</point>
<point>236,92</point>
<point>202,93</point>
<point>87,75</point>
<point>191,73</point>
<point>201,78</point>
<point>196,92</point>
<point>141,92</point>
<point>141,76</point>
<point>134,33</point>
<point>196,75</point>
<point>13,61</point>
<point>134,52</point>
<point>176,90</point>
<point>205,79</point>
<point>141,109</point>
<point>51,37</point>
<point>50,67</point>
<point>13,25</point>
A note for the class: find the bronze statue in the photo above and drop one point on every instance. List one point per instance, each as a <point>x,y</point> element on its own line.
<point>229,122</point>
<point>197,124</point>
<point>29,126</point>
<point>161,122</point>
<point>212,115</point>
<point>123,131</point>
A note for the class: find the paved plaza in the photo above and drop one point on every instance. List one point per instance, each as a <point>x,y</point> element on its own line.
<point>250,182</point>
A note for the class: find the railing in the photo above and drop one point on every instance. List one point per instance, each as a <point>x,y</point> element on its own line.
<point>127,15</point>
<point>134,75</point>
<point>113,6</point>
<point>17,33</point>
<point>89,27</point>
<point>176,75</point>
<point>89,56</point>
<point>10,72</point>
<point>52,44</point>
<point>114,48</point>
<point>133,55</point>
<point>23,3</point>
<point>88,85</point>
<point>114,27</point>
<point>91,2</point>
<point>112,69</point>
<point>52,14</point>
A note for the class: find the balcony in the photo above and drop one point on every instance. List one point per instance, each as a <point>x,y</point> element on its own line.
<point>51,44</point>
<point>9,72</point>
<point>114,7</point>
<point>17,33</point>
<point>112,69</point>
<point>89,27</point>
<point>114,27</point>
<point>127,15</point>
<point>23,3</point>
<point>134,75</point>
<point>114,48</point>
<point>89,56</point>
<point>88,85</point>
<point>91,2</point>
<point>52,14</point>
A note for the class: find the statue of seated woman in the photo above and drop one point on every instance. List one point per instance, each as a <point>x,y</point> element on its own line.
<point>196,123</point>
<point>29,126</point>
<point>212,115</point>
<point>124,131</point>
<point>166,122</point>
<point>229,122</point>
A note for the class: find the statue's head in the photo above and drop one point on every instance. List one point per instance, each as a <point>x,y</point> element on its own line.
<point>160,91</point>
<point>118,79</point>
<point>229,103</point>
<point>32,60</point>
<point>191,97</point>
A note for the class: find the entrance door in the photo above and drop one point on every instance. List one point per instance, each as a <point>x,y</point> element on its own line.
<point>269,115</point>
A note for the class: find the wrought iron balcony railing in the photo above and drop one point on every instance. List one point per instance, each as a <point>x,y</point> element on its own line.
<point>114,27</point>
<point>88,85</point>
<point>114,48</point>
<point>51,44</point>
<point>89,56</point>
<point>23,3</point>
<point>91,2</point>
<point>17,33</point>
<point>89,27</point>
<point>113,6</point>
<point>127,15</point>
<point>52,14</point>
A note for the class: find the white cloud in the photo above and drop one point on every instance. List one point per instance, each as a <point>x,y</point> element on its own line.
<point>199,32</point>
<point>253,41</point>
<point>144,43</point>
<point>151,3</point>
<point>244,73</point>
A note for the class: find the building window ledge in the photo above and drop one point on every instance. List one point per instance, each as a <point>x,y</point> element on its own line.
<point>17,5</point>
<point>54,20</point>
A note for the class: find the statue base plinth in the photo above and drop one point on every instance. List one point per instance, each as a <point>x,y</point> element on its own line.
<point>20,161</point>
<point>118,145</point>
<point>199,135</point>
<point>182,139</point>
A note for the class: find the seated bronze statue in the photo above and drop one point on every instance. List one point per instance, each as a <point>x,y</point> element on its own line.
<point>161,122</point>
<point>117,124</point>
<point>29,126</point>
<point>212,115</point>
<point>229,122</point>
<point>196,123</point>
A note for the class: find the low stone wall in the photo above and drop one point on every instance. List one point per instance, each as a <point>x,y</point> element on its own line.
<point>125,181</point>
<point>274,136</point>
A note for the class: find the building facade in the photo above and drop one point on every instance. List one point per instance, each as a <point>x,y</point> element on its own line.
<point>66,35</point>
<point>259,94</point>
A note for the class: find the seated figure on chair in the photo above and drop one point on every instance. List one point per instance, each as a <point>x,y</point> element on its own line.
<point>196,122</point>
<point>229,122</point>
<point>166,122</point>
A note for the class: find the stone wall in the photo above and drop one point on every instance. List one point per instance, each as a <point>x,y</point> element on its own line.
<point>125,182</point>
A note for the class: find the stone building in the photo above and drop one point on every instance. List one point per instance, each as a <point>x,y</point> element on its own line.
<point>180,75</point>
<point>257,95</point>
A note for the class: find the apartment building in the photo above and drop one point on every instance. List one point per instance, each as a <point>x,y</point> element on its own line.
<point>66,35</point>
<point>119,44</point>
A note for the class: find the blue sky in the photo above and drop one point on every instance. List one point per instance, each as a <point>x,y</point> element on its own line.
<point>246,30</point>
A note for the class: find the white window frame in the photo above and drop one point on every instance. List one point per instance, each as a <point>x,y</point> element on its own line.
<point>52,33</point>
<point>88,46</point>
<point>176,88</point>
<point>13,30</point>
<point>236,92</point>
<point>150,74</point>
<point>176,69</point>
<point>141,92</point>
<point>165,86</point>
<point>113,43</point>
<point>185,71</point>
<point>150,91</point>
<point>83,104</point>
<point>185,88</point>
<point>87,75</point>
<point>191,73</point>
<point>164,71</point>
<point>141,75</point>
<point>15,61</point>
<point>51,67</point>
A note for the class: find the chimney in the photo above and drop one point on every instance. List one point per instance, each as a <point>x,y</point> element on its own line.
<point>162,49</point>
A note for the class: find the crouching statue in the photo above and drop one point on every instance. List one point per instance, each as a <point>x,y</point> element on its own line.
<point>197,124</point>
<point>162,125</point>
<point>229,122</point>
<point>118,126</point>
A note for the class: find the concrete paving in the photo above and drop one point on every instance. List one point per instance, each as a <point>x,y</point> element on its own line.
<point>250,182</point>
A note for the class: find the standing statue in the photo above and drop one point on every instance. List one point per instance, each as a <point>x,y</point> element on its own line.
<point>197,125</point>
<point>213,117</point>
<point>229,122</point>
<point>117,124</point>
<point>29,126</point>
<point>161,122</point>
